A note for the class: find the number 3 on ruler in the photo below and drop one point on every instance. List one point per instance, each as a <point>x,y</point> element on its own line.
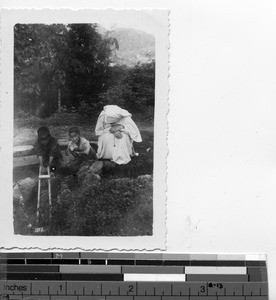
<point>202,289</point>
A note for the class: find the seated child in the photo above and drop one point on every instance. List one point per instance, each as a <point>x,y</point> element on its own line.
<point>79,147</point>
<point>47,149</point>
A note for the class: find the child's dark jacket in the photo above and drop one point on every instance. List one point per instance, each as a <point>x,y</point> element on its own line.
<point>51,149</point>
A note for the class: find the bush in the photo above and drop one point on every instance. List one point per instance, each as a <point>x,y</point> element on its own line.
<point>63,118</point>
<point>134,88</point>
<point>23,118</point>
<point>96,212</point>
<point>88,111</point>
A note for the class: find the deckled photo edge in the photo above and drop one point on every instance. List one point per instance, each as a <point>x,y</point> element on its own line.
<point>157,241</point>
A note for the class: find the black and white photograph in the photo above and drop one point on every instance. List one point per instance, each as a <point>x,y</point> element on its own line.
<point>84,127</point>
<point>142,133</point>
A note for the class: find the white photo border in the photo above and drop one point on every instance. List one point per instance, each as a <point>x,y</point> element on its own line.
<point>159,22</point>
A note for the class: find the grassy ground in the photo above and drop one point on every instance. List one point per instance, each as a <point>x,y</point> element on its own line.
<point>121,205</point>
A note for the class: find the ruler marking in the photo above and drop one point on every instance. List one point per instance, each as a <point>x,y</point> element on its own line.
<point>42,285</point>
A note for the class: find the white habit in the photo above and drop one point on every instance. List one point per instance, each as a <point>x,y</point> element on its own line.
<point>118,150</point>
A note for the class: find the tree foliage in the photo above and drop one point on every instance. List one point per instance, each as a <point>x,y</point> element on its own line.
<point>47,58</point>
<point>72,63</point>
<point>134,88</point>
<point>38,57</point>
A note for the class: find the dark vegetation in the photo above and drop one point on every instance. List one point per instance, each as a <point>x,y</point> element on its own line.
<point>58,67</point>
<point>63,76</point>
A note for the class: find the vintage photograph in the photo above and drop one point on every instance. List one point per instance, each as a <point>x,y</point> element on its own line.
<point>84,128</point>
<point>84,98</point>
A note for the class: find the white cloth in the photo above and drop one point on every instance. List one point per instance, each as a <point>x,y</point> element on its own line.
<point>110,147</point>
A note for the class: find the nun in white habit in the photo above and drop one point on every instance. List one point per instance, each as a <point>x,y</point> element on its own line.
<point>116,131</point>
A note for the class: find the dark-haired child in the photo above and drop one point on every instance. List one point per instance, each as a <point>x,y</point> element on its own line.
<point>79,146</point>
<point>47,149</point>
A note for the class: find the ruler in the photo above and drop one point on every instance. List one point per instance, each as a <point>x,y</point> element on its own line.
<point>131,276</point>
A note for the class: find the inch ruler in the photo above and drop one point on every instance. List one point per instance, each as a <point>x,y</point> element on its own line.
<point>131,276</point>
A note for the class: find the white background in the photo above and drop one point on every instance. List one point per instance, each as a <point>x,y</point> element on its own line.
<point>222,124</point>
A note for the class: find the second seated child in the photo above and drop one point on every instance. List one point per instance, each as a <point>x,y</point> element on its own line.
<point>80,147</point>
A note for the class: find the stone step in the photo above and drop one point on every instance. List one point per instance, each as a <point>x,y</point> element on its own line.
<point>25,155</point>
<point>25,161</point>
<point>24,150</point>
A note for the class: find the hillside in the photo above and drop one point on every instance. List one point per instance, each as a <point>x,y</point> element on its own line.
<point>134,46</point>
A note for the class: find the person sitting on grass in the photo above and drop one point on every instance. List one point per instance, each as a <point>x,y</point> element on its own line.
<point>116,131</point>
<point>47,150</point>
<point>79,147</point>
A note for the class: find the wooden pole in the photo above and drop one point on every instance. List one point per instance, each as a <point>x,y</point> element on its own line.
<point>38,196</point>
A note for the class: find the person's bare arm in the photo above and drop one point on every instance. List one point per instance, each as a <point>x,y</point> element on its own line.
<point>40,158</point>
<point>50,160</point>
<point>43,169</point>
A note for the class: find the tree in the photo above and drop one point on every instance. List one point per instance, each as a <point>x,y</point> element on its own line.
<point>58,64</point>
<point>38,64</point>
<point>132,88</point>
<point>88,70</point>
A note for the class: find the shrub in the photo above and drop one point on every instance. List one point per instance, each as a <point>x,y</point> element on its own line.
<point>134,88</point>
